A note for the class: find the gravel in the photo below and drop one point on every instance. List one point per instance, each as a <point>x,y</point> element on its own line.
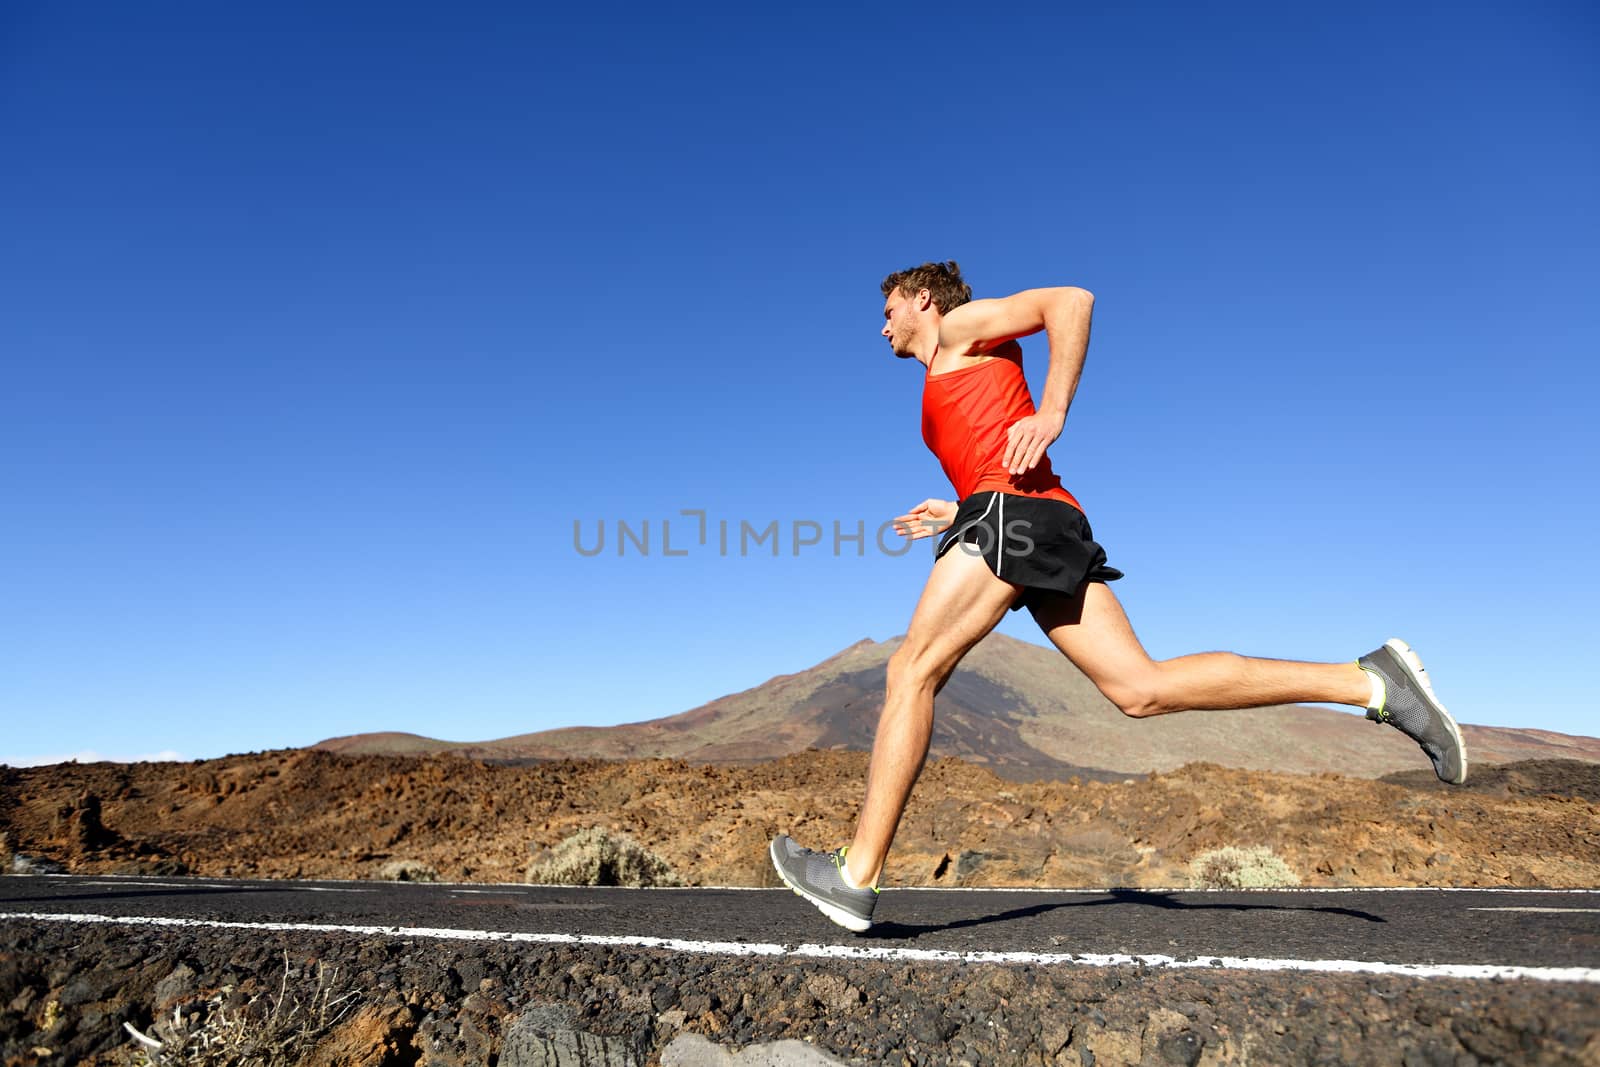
<point>66,994</point>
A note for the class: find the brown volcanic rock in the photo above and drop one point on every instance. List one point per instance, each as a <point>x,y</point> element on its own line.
<point>1547,777</point>
<point>442,1003</point>
<point>318,814</point>
<point>1022,709</point>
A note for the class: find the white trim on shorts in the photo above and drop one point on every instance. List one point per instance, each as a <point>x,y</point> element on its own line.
<point>1000,556</point>
<point>955,538</point>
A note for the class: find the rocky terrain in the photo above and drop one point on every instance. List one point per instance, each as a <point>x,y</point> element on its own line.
<point>305,814</point>
<point>345,999</point>
<point>221,997</point>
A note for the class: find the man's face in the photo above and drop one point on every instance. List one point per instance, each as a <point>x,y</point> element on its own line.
<point>900,323</point>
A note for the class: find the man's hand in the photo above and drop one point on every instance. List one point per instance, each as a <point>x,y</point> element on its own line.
<point>1026,440</point>
<point>1064,314</point>
<point>926,519</point>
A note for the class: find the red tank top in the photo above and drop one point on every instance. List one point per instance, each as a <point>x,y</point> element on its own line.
<point>965,415</point>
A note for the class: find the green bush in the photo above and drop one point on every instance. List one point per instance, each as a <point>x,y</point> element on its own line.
<point>1240,868</point>
<point>598,857</point>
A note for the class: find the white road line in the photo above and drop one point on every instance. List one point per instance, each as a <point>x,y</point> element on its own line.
<point>1091,890</point>
<point>1095,890</point>
<point>1562,911</point>
<point>122,883</point>
<point>323,889</point>
<point>1286,891</point>
<point>850,952</point>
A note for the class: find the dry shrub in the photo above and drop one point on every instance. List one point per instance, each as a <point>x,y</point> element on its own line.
<point>1240,868</point>
<point>598,857</point>
<point>269,1029</point>
<point>407,871</point>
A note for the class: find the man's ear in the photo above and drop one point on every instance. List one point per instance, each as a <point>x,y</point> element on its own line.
<point>924,299</point>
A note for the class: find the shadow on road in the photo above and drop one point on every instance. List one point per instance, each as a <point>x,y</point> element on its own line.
<point>892,931</point>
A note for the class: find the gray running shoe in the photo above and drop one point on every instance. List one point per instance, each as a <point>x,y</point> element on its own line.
<point>816,877</point>
<point>1410,707</point>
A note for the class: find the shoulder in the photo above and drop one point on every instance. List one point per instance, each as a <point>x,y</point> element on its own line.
<point>981,325</point>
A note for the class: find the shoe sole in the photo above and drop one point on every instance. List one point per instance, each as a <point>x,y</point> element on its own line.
<point>854,923</point>
<point>1411,663</point>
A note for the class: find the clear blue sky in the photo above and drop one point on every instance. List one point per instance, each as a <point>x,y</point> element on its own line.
<point>322,328</point>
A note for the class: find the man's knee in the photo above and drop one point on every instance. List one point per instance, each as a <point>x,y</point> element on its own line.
<point>1138,696</point>
<point>919,667</point>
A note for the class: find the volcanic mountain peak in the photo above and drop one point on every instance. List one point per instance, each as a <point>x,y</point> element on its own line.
<point>1022,709</point>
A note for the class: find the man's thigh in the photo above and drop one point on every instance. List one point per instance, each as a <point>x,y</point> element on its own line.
<point>961,603</point>
<point>1091,629</point>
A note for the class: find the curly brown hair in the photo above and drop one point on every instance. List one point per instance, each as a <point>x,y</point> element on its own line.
<point>942,280</point>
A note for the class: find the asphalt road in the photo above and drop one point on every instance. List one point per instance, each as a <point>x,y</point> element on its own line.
<point>1534,929</point>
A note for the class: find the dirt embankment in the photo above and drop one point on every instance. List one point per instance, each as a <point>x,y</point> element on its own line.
<point>226,997</point>
<point>315,814</point>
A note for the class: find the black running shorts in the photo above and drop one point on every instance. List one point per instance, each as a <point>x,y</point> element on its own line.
<point>1035,542</point>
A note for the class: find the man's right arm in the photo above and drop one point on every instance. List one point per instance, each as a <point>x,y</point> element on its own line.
<point>980,325</point>
<point>1064,314</point>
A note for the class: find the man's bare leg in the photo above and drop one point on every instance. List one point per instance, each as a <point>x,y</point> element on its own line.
<point>961,603</point>
<point>1092,630</point>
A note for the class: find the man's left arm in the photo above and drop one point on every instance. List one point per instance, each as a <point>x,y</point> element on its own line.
<point>1064,315</point>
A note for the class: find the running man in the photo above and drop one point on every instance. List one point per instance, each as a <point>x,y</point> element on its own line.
<point>1024,542</point>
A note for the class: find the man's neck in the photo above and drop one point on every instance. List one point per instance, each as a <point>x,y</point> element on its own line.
<point>925,352</point>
